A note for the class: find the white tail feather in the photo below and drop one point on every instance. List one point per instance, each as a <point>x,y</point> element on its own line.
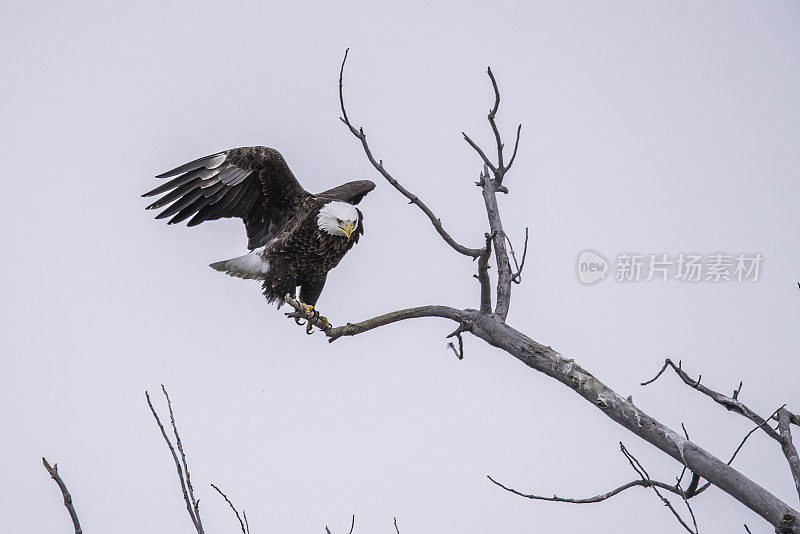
<point>250,266</point>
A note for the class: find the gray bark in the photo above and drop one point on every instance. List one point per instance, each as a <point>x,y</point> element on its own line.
<point>546,360</point>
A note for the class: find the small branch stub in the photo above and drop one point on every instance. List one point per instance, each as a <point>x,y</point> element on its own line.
<point>53,472</point>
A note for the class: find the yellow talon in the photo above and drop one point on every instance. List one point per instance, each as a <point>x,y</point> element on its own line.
<point>310,314</point>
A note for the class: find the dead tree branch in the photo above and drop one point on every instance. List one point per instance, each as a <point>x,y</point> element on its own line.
<point>53,471</point>
<point>783,435</point>
<point>483,276</point>
<point>594,499</point>
<point>490,186</point>
<point>352,329</point>
<point>730,403</point>
<point>499,170</point>
<point>492,328</point>
<point>245,527</point>
<point>352,525</point>
<point>640,470</point>
<point>644,481</point>
<point>517,276</point>
<point>789,450</point>
<point>489,189</point>
<point>412,198</point>
<point>192,505</point>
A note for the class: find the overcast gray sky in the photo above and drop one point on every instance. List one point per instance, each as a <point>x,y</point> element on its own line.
<point>649,127</point>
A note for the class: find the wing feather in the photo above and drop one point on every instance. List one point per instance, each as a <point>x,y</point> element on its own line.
<point>351,192</point>
<point>209,162</point>
<point>181,203</point>
<point>250,183</point>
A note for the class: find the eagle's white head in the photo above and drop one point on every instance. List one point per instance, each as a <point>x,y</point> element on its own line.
<point>338,218</point>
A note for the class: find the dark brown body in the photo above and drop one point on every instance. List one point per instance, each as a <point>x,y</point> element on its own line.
<point>303,256</point>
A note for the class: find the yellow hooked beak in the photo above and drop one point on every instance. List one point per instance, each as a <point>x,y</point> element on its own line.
<point>347,227</point>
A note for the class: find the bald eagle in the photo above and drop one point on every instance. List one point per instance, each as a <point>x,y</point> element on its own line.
<point>294,238</point>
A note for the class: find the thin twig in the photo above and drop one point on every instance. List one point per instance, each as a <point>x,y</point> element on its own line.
<point>352,525</point>
<point>235,511</point>
<point>413,199</point>
<point>639,468</point>
<point>750,434</point>
<point>594,499</point>
<point>730,403</point>
<point>517,277</point>
<point>499,169</point>
<point>53,471</point>
<point>493,123</point>
<point>457,333</point>
<point>397,530</point>
<point>686,496</point>
<point>486,160</point>
<point>691,491</point>
<point>178,443</point>
<point>516,146</point>
<point>192,511</point>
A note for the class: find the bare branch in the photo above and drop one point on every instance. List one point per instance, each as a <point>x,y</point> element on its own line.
<point>595,499</point>
<point>457,333</point>
<point>53,471</point>
<point>483,276</point>
<point>794,419</point>
<point>491,328</point>
<point>493,123</point>
<point>500,169</point>
<point>486,160</point>
<point>178,443</point>
<point>413,199</point>
<point>235,511</point>
<point>516,146</point>
<point>733,456</point>
<point>499,238</point>
<point>639,468</point>
<point>352,525</point>
<point>750,434</point>
<point>352,329</point>
<point>789,450</point>
<point>517,277</point>
<point>191,506</point>
<point>397,530</point>
<point>730,403</point>
<point>548,361</point>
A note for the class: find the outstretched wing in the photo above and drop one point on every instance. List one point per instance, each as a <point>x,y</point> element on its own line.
<point>251,183</point>
<point>351,192</point>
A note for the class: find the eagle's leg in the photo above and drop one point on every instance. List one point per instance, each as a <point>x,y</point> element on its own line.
<point>310,292</point>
